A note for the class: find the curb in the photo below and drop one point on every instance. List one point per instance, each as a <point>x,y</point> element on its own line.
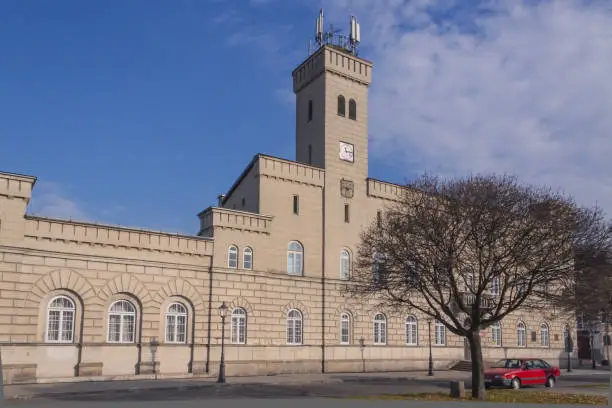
<point>134,390</point>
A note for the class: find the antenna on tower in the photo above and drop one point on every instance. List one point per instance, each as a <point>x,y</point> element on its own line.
<point>319,34</point>
<point>334,38</point>
<point>355,36</point>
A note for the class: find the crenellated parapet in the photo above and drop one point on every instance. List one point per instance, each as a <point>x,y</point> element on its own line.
<point>223,218</point>
<point>64,231</point>
<point>384,190</point>
<point>335,60</point>
<point>287,170</point>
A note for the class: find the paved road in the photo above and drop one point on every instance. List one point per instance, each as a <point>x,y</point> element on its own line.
<point>343,386</point>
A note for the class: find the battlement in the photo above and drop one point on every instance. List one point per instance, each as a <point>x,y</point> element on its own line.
<point>289,170</point>
<point>384,190</point>
<point>335,60</point>
<point>215,217</point>
<point>16,185</point>
<point>49,229</point>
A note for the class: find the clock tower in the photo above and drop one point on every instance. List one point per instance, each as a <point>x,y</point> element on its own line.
<point>331,88</point>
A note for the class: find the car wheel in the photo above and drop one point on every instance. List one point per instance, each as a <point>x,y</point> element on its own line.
<point>550,382</point>
<point>515,384</point>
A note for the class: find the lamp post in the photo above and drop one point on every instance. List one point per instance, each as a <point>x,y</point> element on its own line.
<point>430,368</point>
<point>223,314</point>
<point>153,346</point>
<point>569,346</point>
<point>362,348</point>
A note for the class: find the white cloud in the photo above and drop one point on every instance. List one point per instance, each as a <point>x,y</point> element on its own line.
<point>49,200</point>
<point>509,85</point>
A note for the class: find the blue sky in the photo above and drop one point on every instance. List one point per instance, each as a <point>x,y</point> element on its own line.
<point>140,112</point>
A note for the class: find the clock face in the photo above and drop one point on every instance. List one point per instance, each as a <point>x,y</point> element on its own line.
<point>347,152</point>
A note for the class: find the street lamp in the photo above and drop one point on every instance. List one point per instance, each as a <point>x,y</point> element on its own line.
<point>430,369</point>
<point>153,345</point>
<point>223,314</point>
<point>569,346</point>
<point>362,348</point>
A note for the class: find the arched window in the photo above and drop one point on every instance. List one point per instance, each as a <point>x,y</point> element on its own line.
<point>380,329</point>
<point>60,320</point>
<point>521,334</point>
<point>121,322</point>
<point>294,327</point>
<point>239,326</point>
<point>496,334</point>
<point>440,334</point>
<point>232,257</point>
<point>247,258</point>
<point>341,106</point>
<point>295,258</point>
<point>176,323</point>
<point>345,328</point>
<point>412,331</point>
<point>345,264</point>
<point>352,109</point>
<point>544,338</point>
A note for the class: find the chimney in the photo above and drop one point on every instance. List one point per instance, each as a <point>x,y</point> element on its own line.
<point>220,199</point>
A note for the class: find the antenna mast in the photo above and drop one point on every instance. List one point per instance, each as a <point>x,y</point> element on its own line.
<point>335,38</point>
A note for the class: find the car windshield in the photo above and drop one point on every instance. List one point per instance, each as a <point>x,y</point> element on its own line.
<point>507,363</point>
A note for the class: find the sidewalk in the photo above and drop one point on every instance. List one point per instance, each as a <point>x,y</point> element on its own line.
<point>27,391</point>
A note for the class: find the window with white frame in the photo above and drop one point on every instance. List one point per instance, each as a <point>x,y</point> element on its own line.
<point>495,286</point>
<point>295,258</point>
<point>380,329</point>
<point>440,334</point>
<point>521,334</point>
<point>239,326</point>
<point>496,334</point>
<point>294,327</point>
<point>345,264</point>
<point>345,328</point>
<point>544,338</point>
<point>176,323</point>
<point>60,320</point>
<point>232,257</point>
<point>121,322</point>
<point>247,258</point>
<point>412,331</point>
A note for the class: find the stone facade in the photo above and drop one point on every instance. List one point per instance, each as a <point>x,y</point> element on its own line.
<point>87,300</point>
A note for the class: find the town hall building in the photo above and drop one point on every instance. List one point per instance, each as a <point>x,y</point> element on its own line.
<point>89,300</point>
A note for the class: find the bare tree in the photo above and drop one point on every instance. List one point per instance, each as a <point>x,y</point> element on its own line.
<point>468,252</point>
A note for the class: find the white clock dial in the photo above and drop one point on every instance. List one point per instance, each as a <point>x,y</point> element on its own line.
<point>347,152</point>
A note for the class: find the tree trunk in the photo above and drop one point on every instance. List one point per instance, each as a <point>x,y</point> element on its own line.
<point>478,387</point>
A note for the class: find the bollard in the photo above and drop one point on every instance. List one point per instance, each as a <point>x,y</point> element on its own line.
<point>457,389</point>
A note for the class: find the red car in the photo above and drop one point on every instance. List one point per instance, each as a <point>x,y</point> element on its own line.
<point>515,373</point>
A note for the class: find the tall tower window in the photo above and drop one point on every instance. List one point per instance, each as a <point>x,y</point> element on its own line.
<point>309,154</point>
<point>296,204</point>
<point>341,106</point>
<point>352,109</point>
<point>310,110</point>
<point>347,214</point>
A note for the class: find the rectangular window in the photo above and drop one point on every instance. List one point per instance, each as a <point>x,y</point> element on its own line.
<point>440,335</point>
<point>309,110</point>
<point>346,213</point>
<point>344,331</point>
<point>378,219</point>
<point>296,205</point>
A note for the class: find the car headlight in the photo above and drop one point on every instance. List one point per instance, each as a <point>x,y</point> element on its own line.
<point>497,377</point>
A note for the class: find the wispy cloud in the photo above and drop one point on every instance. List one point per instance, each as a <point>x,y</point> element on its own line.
<point>49,200</point>
<point>498,85</point>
